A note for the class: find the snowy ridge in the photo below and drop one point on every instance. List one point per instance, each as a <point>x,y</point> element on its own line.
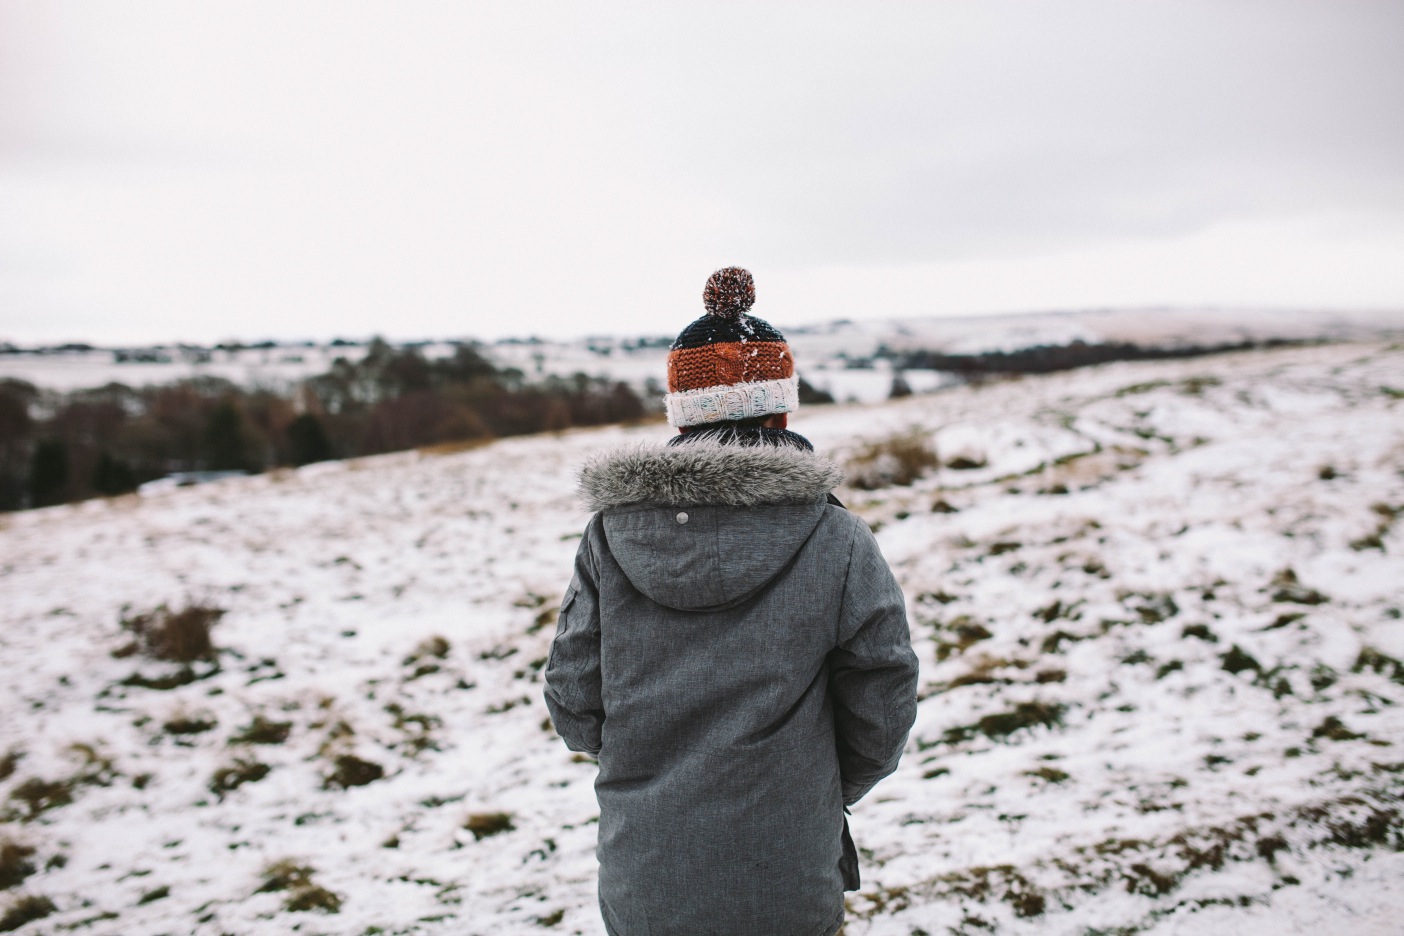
<point>1158,615</point>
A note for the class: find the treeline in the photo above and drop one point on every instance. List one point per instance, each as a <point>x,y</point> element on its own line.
<point>63,447</point>
<point>1044,359</point>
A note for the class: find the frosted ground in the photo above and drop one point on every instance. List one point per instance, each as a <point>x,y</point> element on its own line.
<point>1159,625</point>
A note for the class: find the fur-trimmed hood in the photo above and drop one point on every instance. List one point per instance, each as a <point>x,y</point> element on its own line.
<point>706,473</point>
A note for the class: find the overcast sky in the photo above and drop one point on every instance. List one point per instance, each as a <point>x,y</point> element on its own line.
<point>183,171</point>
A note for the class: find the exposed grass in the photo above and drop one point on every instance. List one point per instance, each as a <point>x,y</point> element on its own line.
<point>155,894</point>
<point>966,631</point>
<point>38,796</point>
<point>230,778</point>
<point>1049,774</point>
<point>312,898</point>
<point>26,909</point>
<point>1379,663</point>
<point>189,725</point>
<point>175,636</point>
<point>15,864</point>
<point>1237,660</point>
<point>303,894</point>
<point>484,825</point>
<point>435,647</point>
<point>285,875</point>
<point>348,770</point>
<point>1333,729</point>
<point>897,460</point>
<point>1199,632</point>
<point>997,727</point>
<point>1286,588</point>
<point>263,731</point>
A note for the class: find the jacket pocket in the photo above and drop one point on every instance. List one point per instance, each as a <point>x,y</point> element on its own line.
<point>848,862</point>
<point>562,624</point>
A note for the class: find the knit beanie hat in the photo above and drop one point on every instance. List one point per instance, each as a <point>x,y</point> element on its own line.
<point>728,364</point>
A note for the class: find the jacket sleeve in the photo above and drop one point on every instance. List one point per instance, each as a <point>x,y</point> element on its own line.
<point>872,671</point>
<point>573,664</point>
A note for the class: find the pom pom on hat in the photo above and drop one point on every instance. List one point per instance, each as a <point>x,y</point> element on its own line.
<point>729,293</point>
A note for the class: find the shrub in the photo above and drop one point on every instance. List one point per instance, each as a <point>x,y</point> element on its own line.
<point>897,460</point>
<point>175,636</point>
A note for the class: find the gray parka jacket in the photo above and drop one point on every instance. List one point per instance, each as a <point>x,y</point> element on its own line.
<point>734,650</point>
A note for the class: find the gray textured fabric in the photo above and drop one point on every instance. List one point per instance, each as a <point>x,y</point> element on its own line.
<point>742,673</point>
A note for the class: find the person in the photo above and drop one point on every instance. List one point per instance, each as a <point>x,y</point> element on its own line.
<point>732,648</point>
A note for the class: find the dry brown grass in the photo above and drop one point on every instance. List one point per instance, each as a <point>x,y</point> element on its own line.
<point>174,636</point>
<point>897,460</point>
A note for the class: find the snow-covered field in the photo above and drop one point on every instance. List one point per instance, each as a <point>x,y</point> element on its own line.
<point>1159,628</point>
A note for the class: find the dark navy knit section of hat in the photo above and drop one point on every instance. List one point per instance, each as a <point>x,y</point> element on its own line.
<point>711,329</point>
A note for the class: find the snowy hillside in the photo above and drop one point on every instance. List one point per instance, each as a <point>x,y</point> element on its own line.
<point>1158,613</point>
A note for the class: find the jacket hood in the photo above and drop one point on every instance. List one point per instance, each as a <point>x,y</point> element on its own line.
<point>704,526</point>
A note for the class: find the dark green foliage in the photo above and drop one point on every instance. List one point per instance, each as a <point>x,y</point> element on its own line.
<point>113,476</point>
<point>307,440</point>
<point>27,909</point>
<point>351,771</point>
<point>223,446</point>
<point>483,825</point>
<point>8,763</point>
<point>48,473</point>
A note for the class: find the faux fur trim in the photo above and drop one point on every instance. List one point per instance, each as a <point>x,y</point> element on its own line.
<point>705,473</point>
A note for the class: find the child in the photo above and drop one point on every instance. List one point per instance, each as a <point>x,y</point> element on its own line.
<point>734,650</point>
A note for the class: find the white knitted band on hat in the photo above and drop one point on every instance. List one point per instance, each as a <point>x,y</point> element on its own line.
<point>732,401</point>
